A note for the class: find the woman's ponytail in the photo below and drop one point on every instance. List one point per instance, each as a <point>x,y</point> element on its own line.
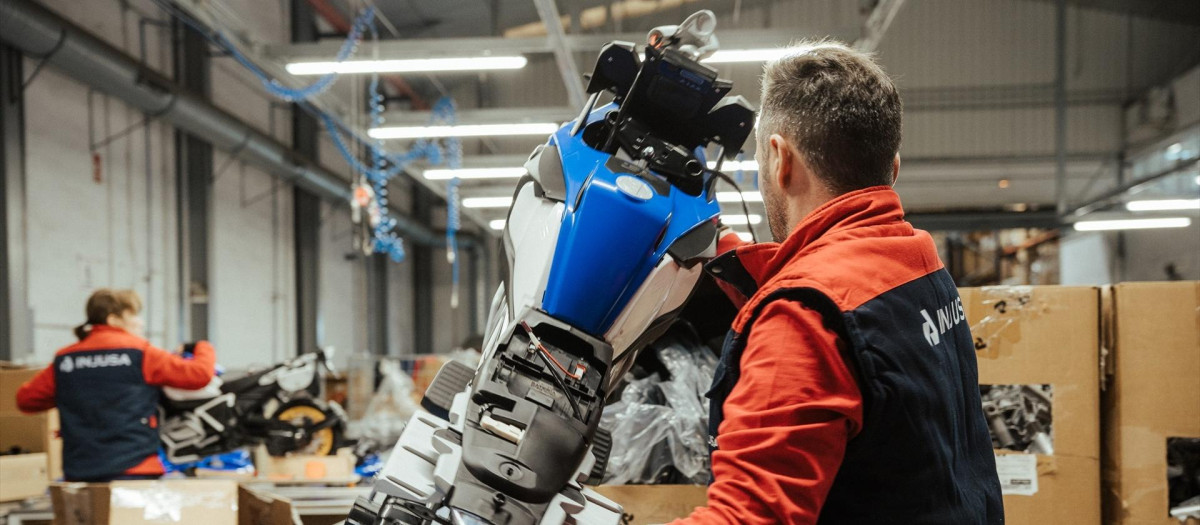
<point>105,302</point>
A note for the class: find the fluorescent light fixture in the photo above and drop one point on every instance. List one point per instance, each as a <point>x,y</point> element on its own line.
<point>740,220</point>
<point>1132,224</point>
<point>467,130</point>
<point>745,236</point>
<point>414,65</point>
<point>732,196</point>
<point>475,173</point>
<point>1163,205</point>
<point>487,202</point>
<point>726,56</point>
<point>497,224</point>
<point>735,165</point>
<point>1198,180</point>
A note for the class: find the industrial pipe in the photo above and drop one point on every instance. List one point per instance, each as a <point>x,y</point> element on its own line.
<point>42,34</point>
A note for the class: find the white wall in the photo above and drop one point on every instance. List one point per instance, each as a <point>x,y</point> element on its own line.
<point>1086,259</point>
<point>1147,252</point>
<point>1096,258</point>
<point>252,281</point>
<point>89,228</point>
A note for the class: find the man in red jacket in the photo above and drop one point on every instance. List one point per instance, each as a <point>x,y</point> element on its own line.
<point>837,398</point>
<point>106,389</point>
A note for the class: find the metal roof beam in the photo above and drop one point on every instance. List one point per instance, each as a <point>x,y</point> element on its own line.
<point>476,46</point>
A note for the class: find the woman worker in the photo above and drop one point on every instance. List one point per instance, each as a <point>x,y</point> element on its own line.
<point>106,389</point>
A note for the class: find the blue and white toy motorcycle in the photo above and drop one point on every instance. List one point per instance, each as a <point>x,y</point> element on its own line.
<point>604,244</point>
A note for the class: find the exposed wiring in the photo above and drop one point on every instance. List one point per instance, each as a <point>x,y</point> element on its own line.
<point>538,343</point>
<point>745,208</point>
<point>548,358</point>
<point>551,362</point>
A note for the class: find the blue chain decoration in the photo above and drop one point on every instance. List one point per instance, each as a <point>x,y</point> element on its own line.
<point>274,87</point>
<point>384,239</point>
<point>383,166</point>
<point>445,113</point>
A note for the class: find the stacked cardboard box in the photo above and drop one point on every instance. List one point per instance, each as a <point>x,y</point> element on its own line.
<point>182,502</point>
<point>1038,336</point>
<point>1152,396</point>
<point>647,504</point>
<point>335,469</point>
<point>28,474</point>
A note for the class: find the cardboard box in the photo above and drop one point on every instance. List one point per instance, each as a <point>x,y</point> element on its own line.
<point>179,502</point>
<point>1152,395</point>
<point>338,468</point>
<point>23,476</point>
<point>28,474</point>
<point>1046,335</point>
<point>34,432</point>
<point>11,379</point>
<point>655,503</point>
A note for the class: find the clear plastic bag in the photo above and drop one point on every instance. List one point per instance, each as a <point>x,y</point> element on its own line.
<point>389,408</point>
<point>659,424</point>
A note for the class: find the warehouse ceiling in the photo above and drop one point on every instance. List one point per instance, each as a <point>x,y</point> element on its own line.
<point>1180,11</point>
<point>977,79</point>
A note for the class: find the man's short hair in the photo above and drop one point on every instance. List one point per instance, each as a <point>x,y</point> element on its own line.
<point>839,108</point>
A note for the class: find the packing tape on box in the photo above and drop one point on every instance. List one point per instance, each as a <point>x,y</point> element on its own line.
<point>162,503</point>
<point>77,506</point>
<point>1005,304</point>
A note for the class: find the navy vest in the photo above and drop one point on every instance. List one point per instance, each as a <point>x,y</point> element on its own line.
<point>107,412</point>
<point>924,454</point>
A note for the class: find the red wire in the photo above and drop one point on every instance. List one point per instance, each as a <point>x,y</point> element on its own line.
<point>529,331</point>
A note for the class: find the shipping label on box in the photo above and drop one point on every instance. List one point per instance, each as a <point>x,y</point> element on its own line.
<point>1018,473</point>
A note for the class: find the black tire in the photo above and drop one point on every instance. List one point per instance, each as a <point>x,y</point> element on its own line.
<point>324,442</point>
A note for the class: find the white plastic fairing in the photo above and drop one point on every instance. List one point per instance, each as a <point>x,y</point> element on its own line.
<point>294,376</point>
<point>533,228</point>
<point>211,390</point>
<point>497,320</point>
<point>664,291</point>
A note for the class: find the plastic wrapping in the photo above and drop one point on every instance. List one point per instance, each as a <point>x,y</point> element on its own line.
<point>389,409</point>
<point>660,426</point>
<point>173,501</point>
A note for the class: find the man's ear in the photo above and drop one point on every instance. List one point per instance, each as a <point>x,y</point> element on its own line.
<point>785,157</point>
<point>895,169</point>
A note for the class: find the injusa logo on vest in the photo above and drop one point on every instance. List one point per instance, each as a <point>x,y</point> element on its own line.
<point>70,363</point>
<point>948,317</point>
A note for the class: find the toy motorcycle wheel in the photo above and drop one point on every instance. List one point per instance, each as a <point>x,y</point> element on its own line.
<point>303,412</point>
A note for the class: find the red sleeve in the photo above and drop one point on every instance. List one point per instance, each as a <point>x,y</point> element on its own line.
<point>37,394</point>
<point>163,368</point>
<point>787,422</point>
<point>727,242</point>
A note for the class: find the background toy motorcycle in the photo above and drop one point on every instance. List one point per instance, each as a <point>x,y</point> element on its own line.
<point>280,406</point>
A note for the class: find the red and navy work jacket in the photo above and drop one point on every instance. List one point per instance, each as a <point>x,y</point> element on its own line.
<point>106,389</point>
<point>847,390</point>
